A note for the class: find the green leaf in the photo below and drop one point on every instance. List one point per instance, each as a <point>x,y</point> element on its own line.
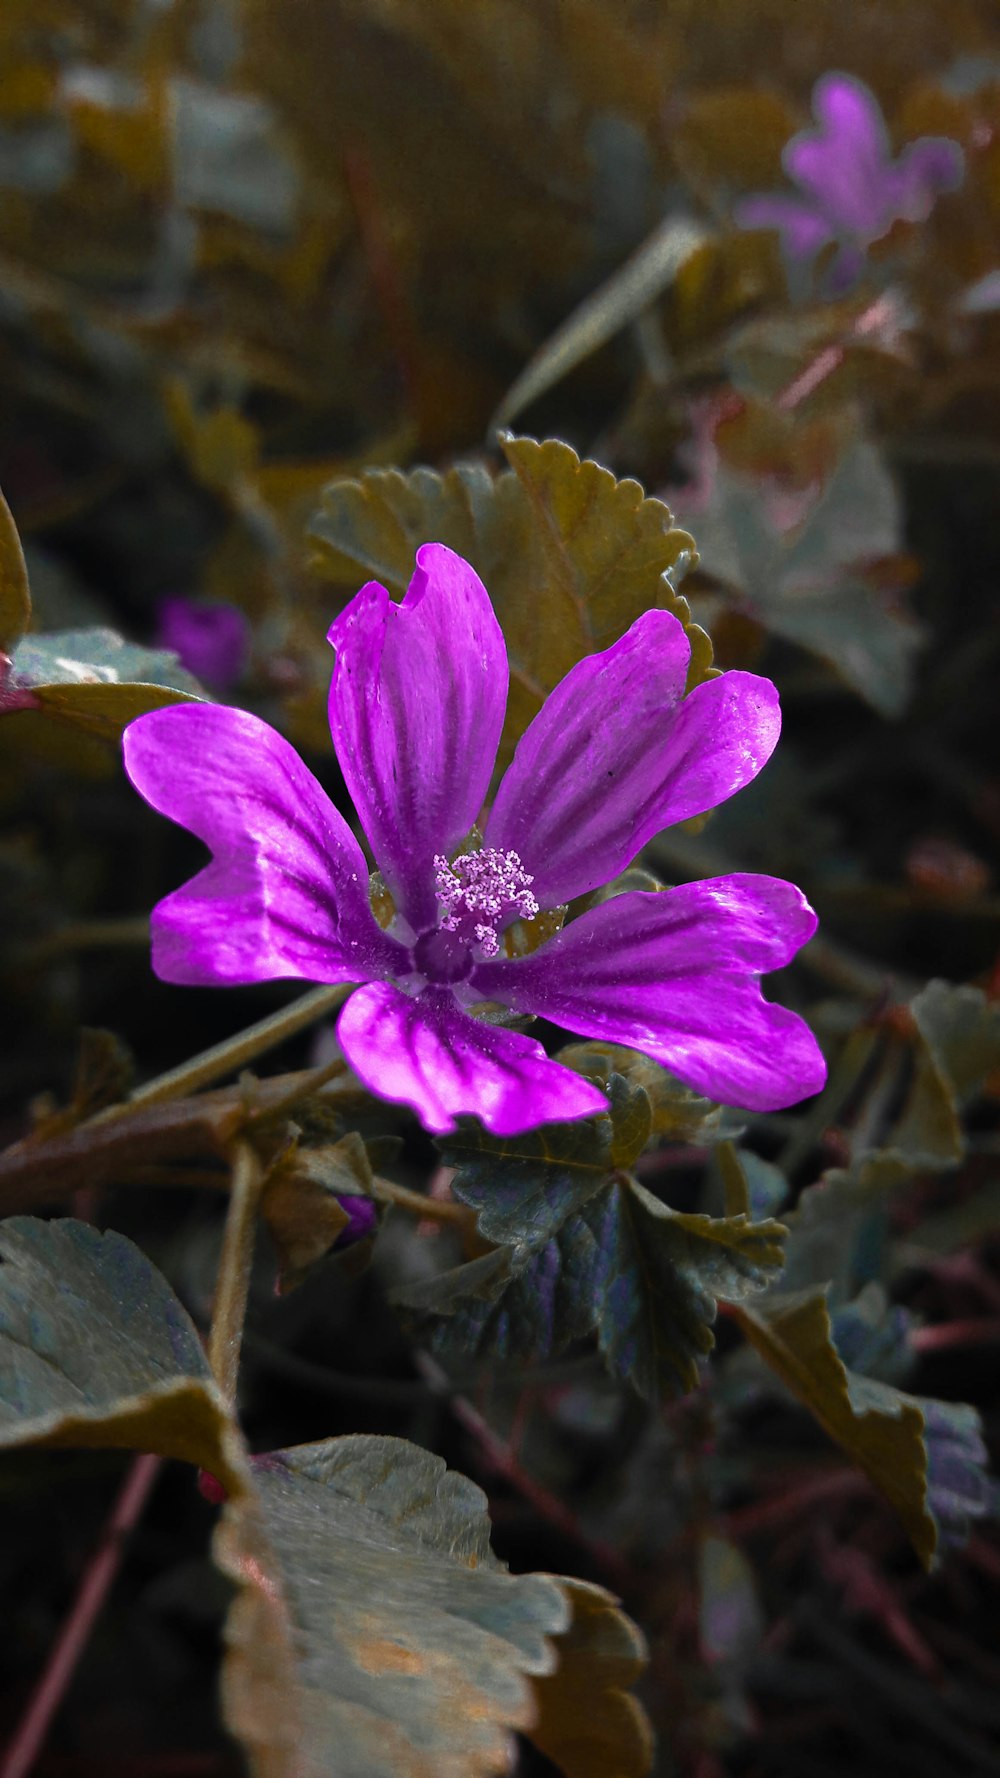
<point>880,1428</point>
<point>523,1188</point>
<point>961,1029</point>
<point>676,1112</point>
<point>375,1634</point>
<point>570,556</point>
<point>642,1277</point>
<point>96,1351</point>
<point>909,1109</point>
<point>97,682</point>
<point>807,584</point>
<point>373,1631</point>
<point>838,1231</point>
<point>15,597</point>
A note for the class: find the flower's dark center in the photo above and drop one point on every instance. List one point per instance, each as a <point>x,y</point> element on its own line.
<point>442,957</point>
<point>480,893</point>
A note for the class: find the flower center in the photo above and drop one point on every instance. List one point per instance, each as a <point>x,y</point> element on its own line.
<point>480,893</point>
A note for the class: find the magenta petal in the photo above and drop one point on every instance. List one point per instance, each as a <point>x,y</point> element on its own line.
<point>616,754</point>
<point>429,1054</point>
<point>845,164</point>
<point>928,167</point>
<point>211,640</point>
<point>804,228</point>
<point>286,893</point>
<point>417,704</point>
<point>676,975</point>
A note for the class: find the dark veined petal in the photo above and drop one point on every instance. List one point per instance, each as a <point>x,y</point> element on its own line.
<point>617,753</point>
<point>417,704</point>
<point>429,1054</point>
<point>286,893</point>
<point>676,975</point>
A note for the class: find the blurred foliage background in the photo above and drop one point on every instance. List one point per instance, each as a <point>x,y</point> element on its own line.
<point>256,255</point>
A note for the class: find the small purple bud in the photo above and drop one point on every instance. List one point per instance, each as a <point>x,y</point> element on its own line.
<point>363,1220</point>
<point>211,640</point>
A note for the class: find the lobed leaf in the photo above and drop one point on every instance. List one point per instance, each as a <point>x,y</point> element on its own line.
<point>807,582</point>
<point>375,1634</point>
<point>571,557</point>
<point>589,1724</point>
<point>880,1428</point>
<point>961,1029</point>
<point>523,1188</point>
<point>374,1631</point>
<point>97,682</point>
<point>642,1277</point>
<point>96,1351</point>
<point>676,1111</point>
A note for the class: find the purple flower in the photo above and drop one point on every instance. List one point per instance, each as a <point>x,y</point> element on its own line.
<point>852,190</point>
<point>211,640</point>
<point>616,754</point>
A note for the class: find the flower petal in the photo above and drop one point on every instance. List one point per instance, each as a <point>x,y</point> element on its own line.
<point>617,753</point>
<point>928,167</point>
<point>429,1054</point>
<point>676,975</point>
<point>286,893</point>
<point>417,704</point>
<point>804,228</point>
<point>845,163</point>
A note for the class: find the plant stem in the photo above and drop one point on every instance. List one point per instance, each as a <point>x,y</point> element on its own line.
<point>233,1283</point>
<point>28,1737</point>
<point>418,1204</point>
<point>234,1053</point>
<point>303,1088</point>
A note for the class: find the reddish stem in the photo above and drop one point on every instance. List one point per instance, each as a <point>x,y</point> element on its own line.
<point>502,1459</point>
<point>778,1508</point>
<point>982,1330</point>
<point>805,381</point>
<point>23,1749</point>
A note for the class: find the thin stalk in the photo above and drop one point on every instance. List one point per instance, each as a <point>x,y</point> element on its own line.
<point>234,1053</point>
<point>29,1736</point>
<point>303,1089</point>
<point>418,1204</point>
<point>233,1283</point>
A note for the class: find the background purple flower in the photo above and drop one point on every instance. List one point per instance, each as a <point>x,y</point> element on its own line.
<point>211,640</point>
<point>852,190</point>
<point>617,753</point>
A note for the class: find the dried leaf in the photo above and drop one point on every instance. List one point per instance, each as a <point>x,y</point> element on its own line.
<point>96,1351</point>
<point>302,1202</point>
<point>589,1724</point>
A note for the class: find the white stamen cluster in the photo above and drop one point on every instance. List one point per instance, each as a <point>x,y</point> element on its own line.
<point>480,890</point>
